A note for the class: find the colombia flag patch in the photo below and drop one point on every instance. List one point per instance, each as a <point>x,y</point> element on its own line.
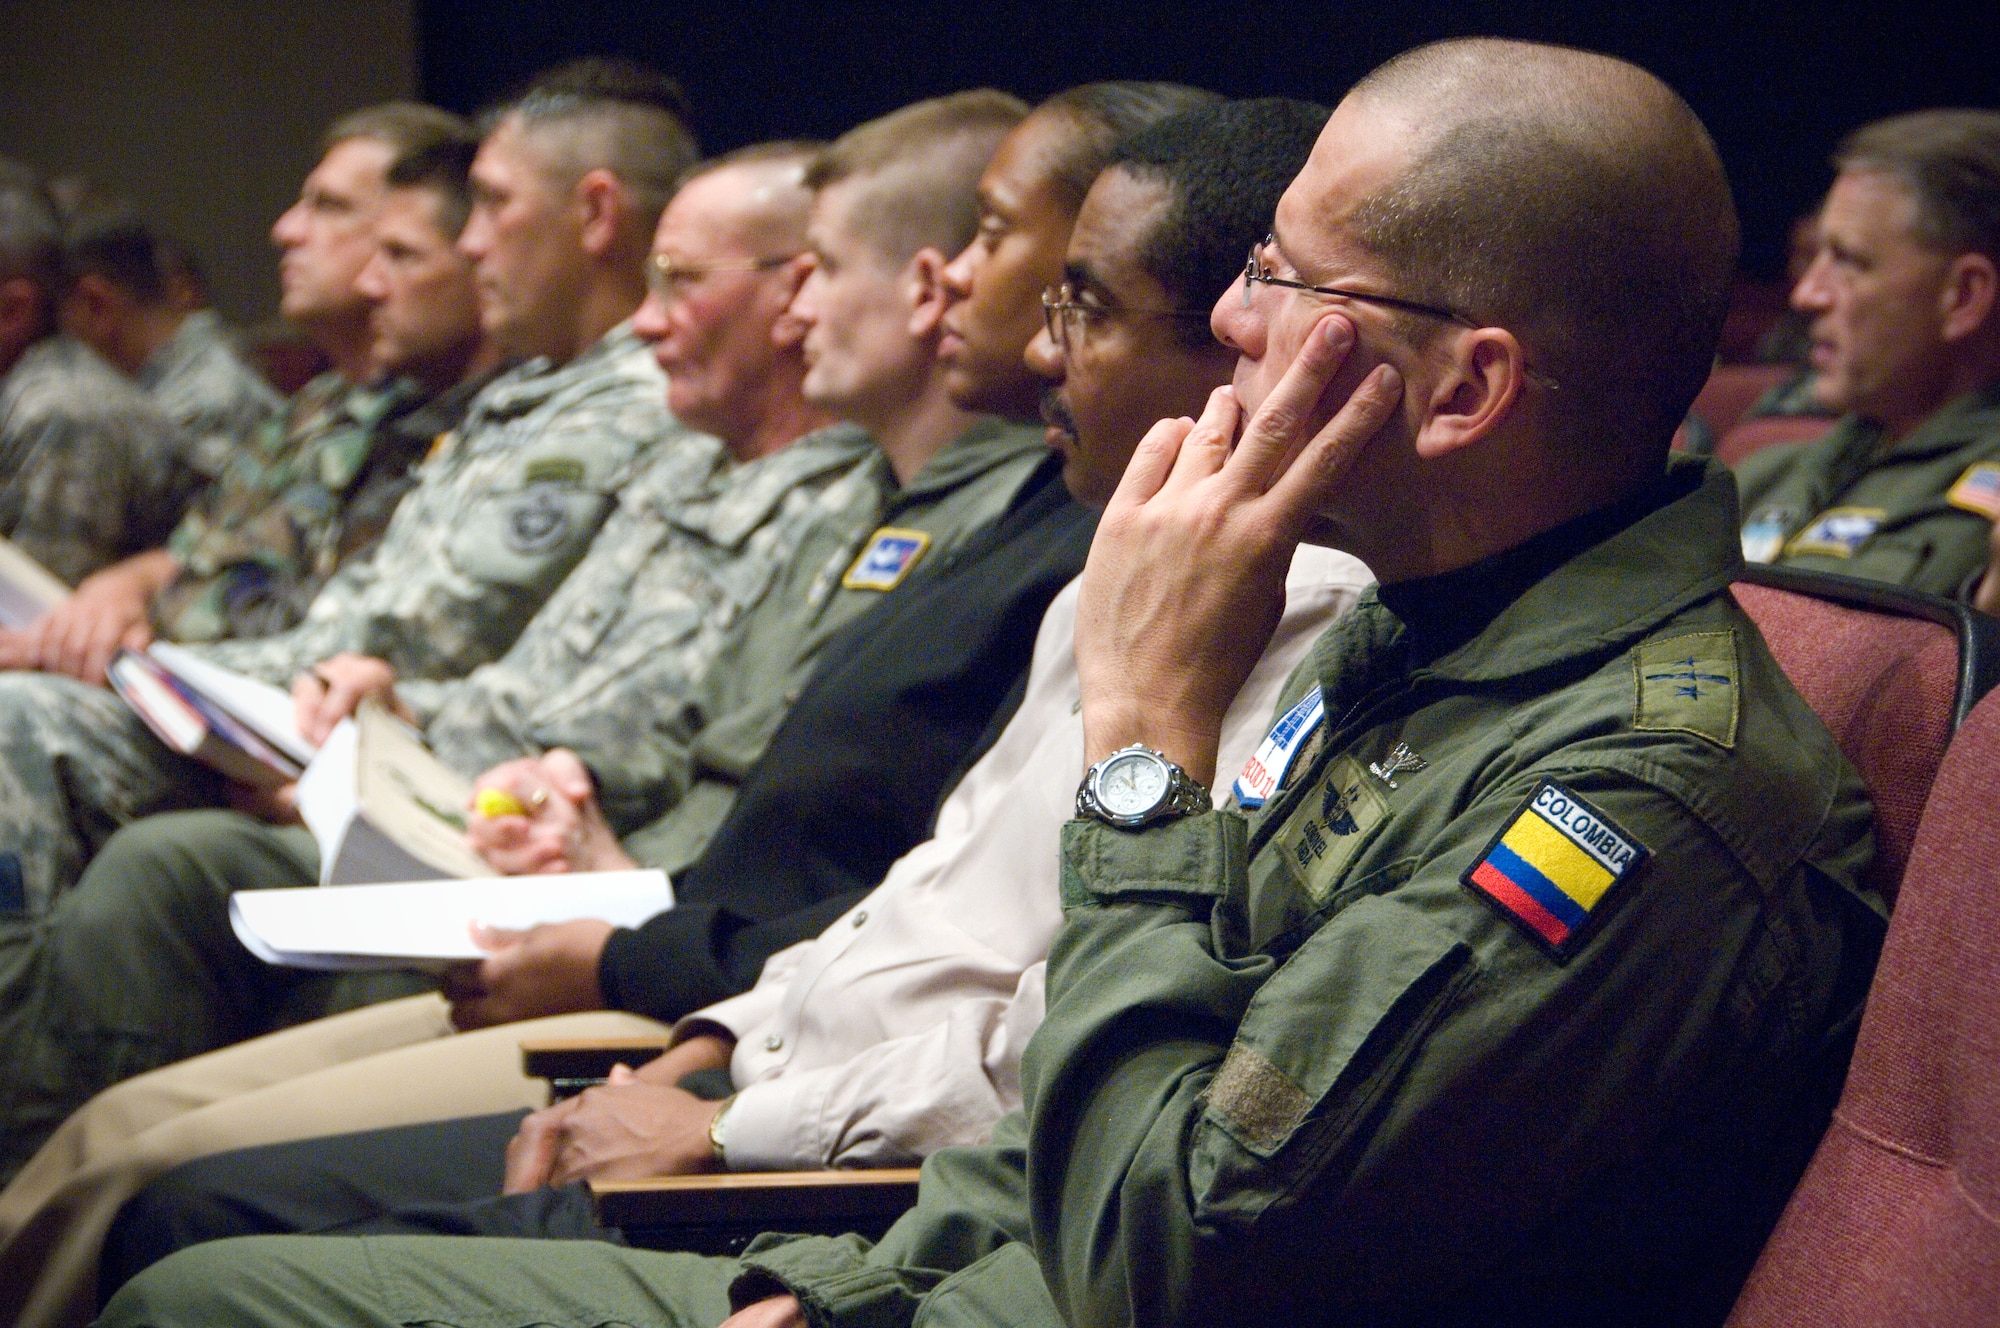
<point>1551,866</point>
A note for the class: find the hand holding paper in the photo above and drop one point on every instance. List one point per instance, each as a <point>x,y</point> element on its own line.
<point>544,970</point>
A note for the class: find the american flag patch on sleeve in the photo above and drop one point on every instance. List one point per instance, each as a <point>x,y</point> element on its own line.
<point>1552,865</point>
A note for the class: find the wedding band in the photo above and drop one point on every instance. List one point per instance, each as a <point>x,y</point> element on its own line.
<point>537,799</point>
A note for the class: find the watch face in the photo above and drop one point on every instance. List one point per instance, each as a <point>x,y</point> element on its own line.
<point>1132,783</point>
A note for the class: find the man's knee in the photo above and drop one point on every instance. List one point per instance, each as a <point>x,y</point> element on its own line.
<point>259,1280</point>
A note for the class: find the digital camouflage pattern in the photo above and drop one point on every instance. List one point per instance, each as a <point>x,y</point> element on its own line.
<point>309,493</point>
<point>91,471</point>
<point>200,383</point>
<point>497,518</point>
<point>501,512</point>
<point>609,665</point>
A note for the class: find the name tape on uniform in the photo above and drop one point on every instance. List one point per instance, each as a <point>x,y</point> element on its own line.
<point>1552,865</point>
<point>1266,768</point>
<point>887,559</point>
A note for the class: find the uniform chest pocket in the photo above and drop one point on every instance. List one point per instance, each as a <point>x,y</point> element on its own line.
<point>1324,1041</point>
<point>530,535</point>
<point>1894,557</point>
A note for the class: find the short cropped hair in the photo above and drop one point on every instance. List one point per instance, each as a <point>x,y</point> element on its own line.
<point>1224,167</point>
<point>404,127</point>
<point>804,151</point>
<point>923,164</point>
<point>603,113</point>
<point>122,249</point>
<point>1573,195</point>
<point>445,169</point>
<point>1950,162</point>
<point>30,236</point>
<point>1103,113</point>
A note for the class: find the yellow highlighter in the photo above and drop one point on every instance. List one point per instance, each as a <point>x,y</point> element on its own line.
<point>493,802</point>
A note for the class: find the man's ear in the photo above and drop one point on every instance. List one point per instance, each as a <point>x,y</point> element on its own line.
<point>788,329</point>
<point>1475,393</point>
<point>20,318</point>
<point>1967,299</point>
<point>604,204</point>
<point>923,285</point>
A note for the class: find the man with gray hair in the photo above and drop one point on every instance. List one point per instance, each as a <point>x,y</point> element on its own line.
<point>90,468</point>
<point>1904,296</point>
<point>1501,994</point>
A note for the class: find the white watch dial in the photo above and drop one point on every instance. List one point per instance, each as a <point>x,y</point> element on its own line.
<point>1133,783</point>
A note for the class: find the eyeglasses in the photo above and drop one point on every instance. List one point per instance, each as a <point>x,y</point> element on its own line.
<point>1065,318</point>
<point>664,276</point>
<point>1256,270</point>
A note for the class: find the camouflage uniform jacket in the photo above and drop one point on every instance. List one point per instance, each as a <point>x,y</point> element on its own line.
<point>310,492</point>
<point>836,576</point>
<point>90,469</point>
<point>501,512</point>
<point>200,383</point>
<point>605,668</point>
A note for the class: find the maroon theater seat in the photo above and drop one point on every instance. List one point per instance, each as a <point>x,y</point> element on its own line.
<point>1897,1221</point>
<point>1732,389</point>
<point>1889,671</point>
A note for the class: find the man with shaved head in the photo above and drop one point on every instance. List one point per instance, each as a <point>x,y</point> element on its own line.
<point>1505,992</point>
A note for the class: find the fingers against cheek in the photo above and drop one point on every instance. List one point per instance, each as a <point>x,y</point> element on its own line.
<point>1278,430</point>
<point>1207,445</point>
<point>1334,449</point>
<point>1152,461</point>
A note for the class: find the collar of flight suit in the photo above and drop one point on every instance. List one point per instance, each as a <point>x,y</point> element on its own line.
<point>987,443</point>
<point>1683,551</point>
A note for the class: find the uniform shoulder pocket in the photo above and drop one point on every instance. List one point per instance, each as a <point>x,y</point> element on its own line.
<point>1321,1044</point>
<point>528,535</point>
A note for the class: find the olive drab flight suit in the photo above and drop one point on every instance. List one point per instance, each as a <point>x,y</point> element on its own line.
<point>1501,1009</point>
<point>1918,515</point>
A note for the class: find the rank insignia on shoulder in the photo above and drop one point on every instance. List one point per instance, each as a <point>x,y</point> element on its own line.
<point>1838,532</point>
<point>1687,684</point>
<point>887,559</point>
<point>1265,769</point>
<point>1978,490</point>
<point>1551,865</point>
<point>554,470</point>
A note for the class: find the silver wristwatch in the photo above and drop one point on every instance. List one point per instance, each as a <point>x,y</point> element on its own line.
<point>1137,786</point>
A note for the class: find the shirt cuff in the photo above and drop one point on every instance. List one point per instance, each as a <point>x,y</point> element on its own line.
<point>766,1129</point>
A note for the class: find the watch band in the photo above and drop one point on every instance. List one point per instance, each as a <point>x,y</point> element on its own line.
<point>715,1132</point>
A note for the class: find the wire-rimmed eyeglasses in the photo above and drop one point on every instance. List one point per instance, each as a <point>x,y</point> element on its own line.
<point>1255,269</point>
<point>664,275</point>
<point>1065,317</point>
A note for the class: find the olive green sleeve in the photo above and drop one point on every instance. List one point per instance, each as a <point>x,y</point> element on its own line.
<point>1253,1139</point>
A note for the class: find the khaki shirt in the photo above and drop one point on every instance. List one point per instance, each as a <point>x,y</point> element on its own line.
<point>501,512</point>
<point>1499,1011</point>
<point>1918,515</point>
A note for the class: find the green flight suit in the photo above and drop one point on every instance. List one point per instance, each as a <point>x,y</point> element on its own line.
<point>1315,1064</point>
<point>1918,515</point>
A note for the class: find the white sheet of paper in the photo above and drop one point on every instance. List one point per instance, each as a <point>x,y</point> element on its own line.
<point>378,926</point>
<point>266,709</point>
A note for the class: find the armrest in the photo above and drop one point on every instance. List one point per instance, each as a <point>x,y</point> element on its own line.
<point>765,1200</point>
<point>574,1064</point>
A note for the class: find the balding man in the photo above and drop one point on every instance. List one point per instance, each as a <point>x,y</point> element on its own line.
<point>1500,1004</point>
<point>1904,297</point>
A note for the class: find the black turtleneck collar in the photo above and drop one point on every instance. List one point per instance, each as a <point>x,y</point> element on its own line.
<point>1445,611</point>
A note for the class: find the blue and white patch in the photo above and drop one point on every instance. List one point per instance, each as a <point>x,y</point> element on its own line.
<point>1764,534</point>
<point>1838,532</point>
<point>887,559</point>
<point>1265,770</point>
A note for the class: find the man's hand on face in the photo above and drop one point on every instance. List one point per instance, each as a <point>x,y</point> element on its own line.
<point>1186,578</point>
<point>623,1130</point>
<point>774,1312</point>
<point>335,688</point>
<point>558,826</point>
<point>545,970</point>
<point>78,637</point>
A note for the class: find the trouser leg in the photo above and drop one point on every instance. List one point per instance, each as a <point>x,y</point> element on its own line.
<point>138,966</point>
<point>390,1065</point>
<point>307,1185</point>
<point>390,1281</point>
<point>75,765</point>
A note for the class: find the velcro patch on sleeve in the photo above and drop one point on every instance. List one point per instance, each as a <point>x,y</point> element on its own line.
<point>888,557</point>
<point>1552,865</point>
<point>1688,684</point>
<point>1261,1103</point>
<point>1978,490</point>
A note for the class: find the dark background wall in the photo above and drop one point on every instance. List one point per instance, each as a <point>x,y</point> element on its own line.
<point>1777,84</point>
<point>207,112</point>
